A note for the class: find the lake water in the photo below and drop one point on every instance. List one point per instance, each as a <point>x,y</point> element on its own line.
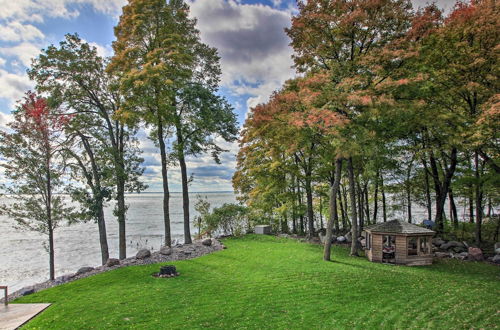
<point>24,261</point>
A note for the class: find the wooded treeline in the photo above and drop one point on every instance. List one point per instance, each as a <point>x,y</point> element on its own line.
<point>389,102</point>
<point>77,134</point>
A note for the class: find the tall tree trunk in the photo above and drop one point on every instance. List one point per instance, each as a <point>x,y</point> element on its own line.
<point>185,191</point>
<point>49,222</point>
<point>479,198</point>
<point>408,191</point>
<point>471,205</point>
<point>442,187</point>
<point>332,203</point>
<point>121,209</point>
<point>51,251</point>
<point>310,210</point>
<point>428,201</point>
<point>333,210</point>
<point>101,223</point>
<point>346,206</point>
<point>384,205</point>
<point>375,199</point>
<point>166,192</point>
<point>294,208</point>
<point>284,224</point>
<point>301,217</point>
<point>490,207</point>
<point>320,213</point>
<point>453,209</point>
<point>367,203</point>
<point>354,215</point>
<point>99,199</point>
<point>471,195</point>
<point>360,205</point>
<point>342,212</point>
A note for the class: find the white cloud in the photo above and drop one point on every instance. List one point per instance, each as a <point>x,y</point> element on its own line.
<point>24,51</point>
<point>13,86</point>
<point>16,31</point>
<point>39,10</point>
<point>4,120</point>
<point>255,56</point>
<point>102,51</point>
<point>446,5</point>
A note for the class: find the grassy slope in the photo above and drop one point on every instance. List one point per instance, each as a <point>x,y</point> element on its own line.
<point>267,282</point>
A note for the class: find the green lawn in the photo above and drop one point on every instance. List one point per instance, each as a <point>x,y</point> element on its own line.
<point>267,282</point>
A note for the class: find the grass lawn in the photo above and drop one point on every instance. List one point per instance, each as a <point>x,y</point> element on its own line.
<point>268,282</point>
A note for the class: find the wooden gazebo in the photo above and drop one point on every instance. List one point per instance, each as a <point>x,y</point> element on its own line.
<point>399,242</point>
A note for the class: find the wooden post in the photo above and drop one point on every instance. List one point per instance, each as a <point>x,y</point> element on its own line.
<point>6,294</point>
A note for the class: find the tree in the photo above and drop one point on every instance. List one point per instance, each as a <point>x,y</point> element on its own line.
<point>200,117</point>
<point>465,70</point>
<point>35,167</point>
<point>229,219</point>
<point>75,77</point>
<point>165,70</point>
<point>336,36</point>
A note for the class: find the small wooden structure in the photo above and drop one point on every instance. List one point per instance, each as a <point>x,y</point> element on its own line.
<point>263,230</point>
<point>399,242</point>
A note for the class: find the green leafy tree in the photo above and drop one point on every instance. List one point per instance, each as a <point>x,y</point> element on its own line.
<point>34,165</point>
<point>229,219</point>
<point>75,78</point>
<point>169,80</point>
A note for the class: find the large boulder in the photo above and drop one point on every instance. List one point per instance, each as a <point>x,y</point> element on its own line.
<point>459,249</point>
<point>84,270</point>
<point>143,254</point>
<point>63,279</point>
<point>322,238</point>
<point>27,290</point>
<point>112,262</point>
<point>166,250</point>
<point>438,241</point>
<point>341,239</point>
<point>441,254</point>
<point>475,254</point>
<point>460,256</point>
<point>497,246</point>
<point>207,242</point>
<point>497,251</point>
<point>452,244</point>
<point>496,259</point>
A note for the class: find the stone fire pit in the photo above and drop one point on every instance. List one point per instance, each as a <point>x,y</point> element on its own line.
<point>167,271</point>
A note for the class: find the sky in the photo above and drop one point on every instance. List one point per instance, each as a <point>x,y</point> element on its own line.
<point>249,35</point>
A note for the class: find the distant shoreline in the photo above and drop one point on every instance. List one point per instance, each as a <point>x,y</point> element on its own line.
<point>180,192</point>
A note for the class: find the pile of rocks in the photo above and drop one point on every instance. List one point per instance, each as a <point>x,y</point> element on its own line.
<point>347,238</point>
<point>143,257</point>
<point>462,251</point>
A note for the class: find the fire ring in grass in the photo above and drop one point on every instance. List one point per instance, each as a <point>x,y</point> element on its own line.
<point>167,271</point>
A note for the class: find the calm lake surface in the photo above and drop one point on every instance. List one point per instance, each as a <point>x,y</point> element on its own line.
<point>24,260</point>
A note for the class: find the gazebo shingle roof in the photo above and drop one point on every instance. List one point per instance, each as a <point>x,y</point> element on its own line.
<point>398,227</point>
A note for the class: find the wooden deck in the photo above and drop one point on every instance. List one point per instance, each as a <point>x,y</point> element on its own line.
<point>13,316</point>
